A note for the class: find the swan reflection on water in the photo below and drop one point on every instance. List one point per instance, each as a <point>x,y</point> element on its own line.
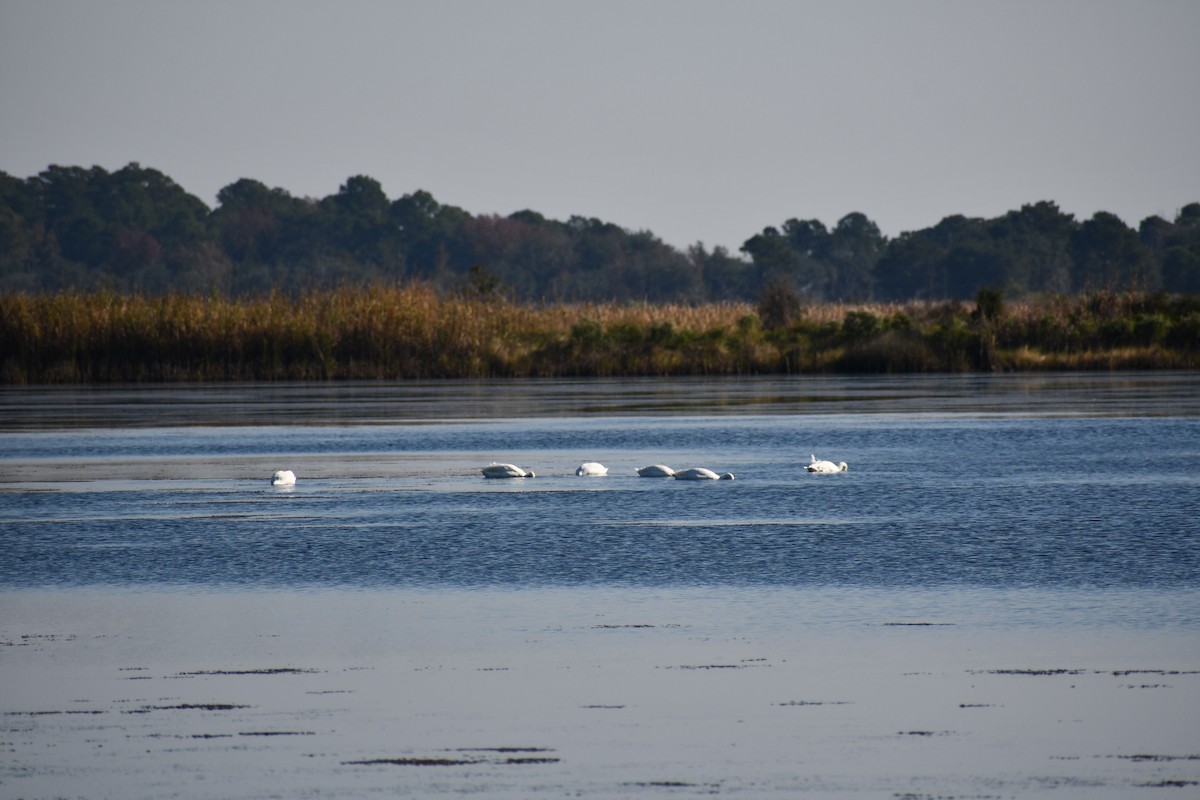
<point>596,469</point>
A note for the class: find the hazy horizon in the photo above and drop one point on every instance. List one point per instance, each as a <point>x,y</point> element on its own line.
<point>697,121</point>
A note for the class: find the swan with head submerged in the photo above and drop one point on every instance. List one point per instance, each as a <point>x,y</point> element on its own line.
<point>591,469</point>
<point>701,474</point>
<point>495,470</point>
<point>825,467</point>
<point>656,471</point>
<point>283,477</point>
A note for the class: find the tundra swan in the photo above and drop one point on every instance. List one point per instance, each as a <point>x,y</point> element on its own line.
<point>283,477</point>
<point>591,469</point>
<point>701,474</point>
<point>495,470</point>
<point>656,471</point>
<point>826,466</point>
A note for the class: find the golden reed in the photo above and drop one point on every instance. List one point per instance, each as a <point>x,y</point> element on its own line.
<point>413,332</point>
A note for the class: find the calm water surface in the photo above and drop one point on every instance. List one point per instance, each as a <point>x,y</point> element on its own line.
<point>1000,598</point>
<point>1052,482</point>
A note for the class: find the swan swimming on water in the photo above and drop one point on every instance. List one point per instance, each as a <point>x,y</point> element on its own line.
<point>826,466</point>
<point>283,477</point>
<point>656,471</point>
<point>495,470</point>
<point>701,474</point>
<point>591,469</point>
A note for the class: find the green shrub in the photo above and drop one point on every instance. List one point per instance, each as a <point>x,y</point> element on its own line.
<point>989,303</point>
<point>860,326</point>
<point>779,304</point>
<point>1185,334</point>
<point>1150,329</point>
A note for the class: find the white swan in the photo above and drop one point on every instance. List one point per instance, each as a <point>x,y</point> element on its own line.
<point>826,466</point>
<point>701,474</point>
<point>283,477</point>
<point>591,469</point>
<point>656,471</point>
<point>495,470</point>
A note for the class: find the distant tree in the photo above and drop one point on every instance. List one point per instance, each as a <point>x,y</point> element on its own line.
<point>135,229</point>
<point>357,221</point>
<point>1181,270</point>
<point>248,220</point>
<point>807,237</point>
<point>1035,243</point>
<point>524,252</point>
<point>1174,247</point>
<point>849,255</point>
<point>1155,233</point>
<point>269,239</point>
<point>429,236</point>
<point>662,273</point>
<point>795,255</point>
<point>1181,252</point>
<point>132,225</point>
<point>725,276</point>
<point>205,269</point>
<point>775,260</point>
<point>971,266</point>
<point>16,234</point>
<point>67,195</point>
<point>966,247</point>
<point>134,251</point>
<point>139,197</point>
<point>911,267</point>
<point>1188,216</point>
<point>1109,255</point>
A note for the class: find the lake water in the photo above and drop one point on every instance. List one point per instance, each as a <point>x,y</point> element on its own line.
<point>999,598</point>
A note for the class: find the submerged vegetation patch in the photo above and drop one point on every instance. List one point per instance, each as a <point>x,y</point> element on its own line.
<point>267,671</point>
<point>483,755</point>
<point>188,707</point>
<point>413,762</point>
<point>413,332</point>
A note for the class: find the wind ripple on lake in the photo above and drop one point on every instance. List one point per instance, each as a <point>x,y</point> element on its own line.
<point>963,495</point>
<point>852,529</point>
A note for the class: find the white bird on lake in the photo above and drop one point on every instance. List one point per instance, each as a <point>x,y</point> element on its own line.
<point>656,471</point>
<point>591,469</point>
<point>283,477</point>
<point>495,470</point>
<point>826,466</point>
<point>701,474</point>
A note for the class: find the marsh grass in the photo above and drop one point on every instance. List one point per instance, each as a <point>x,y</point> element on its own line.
<point>414,332</point>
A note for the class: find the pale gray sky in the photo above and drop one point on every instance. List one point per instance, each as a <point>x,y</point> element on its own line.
<point>698,120</point>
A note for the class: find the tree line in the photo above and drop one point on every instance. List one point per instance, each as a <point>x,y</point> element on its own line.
<point>135,230</point>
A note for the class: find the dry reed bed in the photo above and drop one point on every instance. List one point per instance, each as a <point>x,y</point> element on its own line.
<point>413,332</point>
